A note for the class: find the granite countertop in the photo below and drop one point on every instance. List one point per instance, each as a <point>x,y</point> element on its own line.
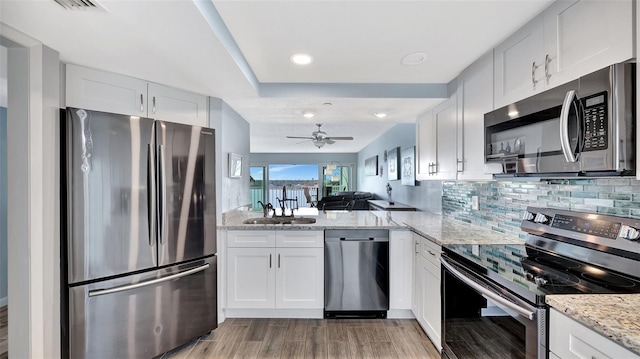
<point>437,228</point>
<point>615,316</point>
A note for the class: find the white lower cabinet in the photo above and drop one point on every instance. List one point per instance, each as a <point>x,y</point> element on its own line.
<point>401,249</point>
<point>569,339</point>
<point>426,304</point>
<point>271,277</point>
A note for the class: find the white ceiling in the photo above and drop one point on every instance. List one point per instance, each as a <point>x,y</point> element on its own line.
<point>353,42</point>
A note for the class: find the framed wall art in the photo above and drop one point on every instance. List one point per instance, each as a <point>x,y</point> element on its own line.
<point>371,166</point>
<point>393,164</point>
<point>408,166</point>
<point>235,165</point>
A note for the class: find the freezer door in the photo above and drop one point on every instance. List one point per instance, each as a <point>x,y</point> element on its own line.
<point>186,192</point>
<point>108,160</point>
<point>145,315</point>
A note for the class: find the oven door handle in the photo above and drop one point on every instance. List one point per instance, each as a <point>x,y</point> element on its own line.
<point>565,142</point>
<point>488,294</point>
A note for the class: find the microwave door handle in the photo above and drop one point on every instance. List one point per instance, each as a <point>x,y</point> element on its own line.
<point>565,143</point>
<point>488,294</point>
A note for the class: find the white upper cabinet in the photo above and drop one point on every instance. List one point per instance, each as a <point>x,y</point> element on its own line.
<point>114,93</point>
<point>569,39</point>
<point>583,36</point>
<point>425,145</point>
<point>517,64</point>
<point>475,98</point>
<point>446,118</point>
<point>105,91</point>
<point>436,140</point>
<point>170,104</point>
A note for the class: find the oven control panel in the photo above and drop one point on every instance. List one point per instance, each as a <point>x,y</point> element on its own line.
<point>593,227</point>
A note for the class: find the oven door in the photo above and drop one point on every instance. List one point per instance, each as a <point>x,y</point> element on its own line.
<point>482,320</point>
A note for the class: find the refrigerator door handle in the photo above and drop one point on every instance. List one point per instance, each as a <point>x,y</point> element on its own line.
<point>163,197</point>
<point>151,194</point>
<point>98,292</point>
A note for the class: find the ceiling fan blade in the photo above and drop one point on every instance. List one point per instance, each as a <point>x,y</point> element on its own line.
<point>306,138</point>
<point>329,141</point>
<point>297,143</point>
<point>338,138</point>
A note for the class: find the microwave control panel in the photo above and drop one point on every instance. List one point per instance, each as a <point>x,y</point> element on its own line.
<point>596,122</point>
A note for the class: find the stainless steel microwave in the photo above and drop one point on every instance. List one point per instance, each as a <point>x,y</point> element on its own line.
<point>585,127</point>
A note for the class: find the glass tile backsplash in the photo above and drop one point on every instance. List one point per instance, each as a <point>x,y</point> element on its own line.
<point>501,202</point>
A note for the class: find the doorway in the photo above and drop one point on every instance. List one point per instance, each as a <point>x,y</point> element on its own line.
<point>336,178</point>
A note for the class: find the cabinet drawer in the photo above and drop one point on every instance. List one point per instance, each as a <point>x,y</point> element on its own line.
<point>570,339</point>
<point>431,251</point>
<point>242,239</point>
<point>293,239</point>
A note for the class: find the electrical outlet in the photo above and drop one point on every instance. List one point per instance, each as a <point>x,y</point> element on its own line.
<point>475,203</point>
<point>475,250</point>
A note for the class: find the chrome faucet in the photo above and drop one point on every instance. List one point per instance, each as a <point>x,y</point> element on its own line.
<point>266,208</point>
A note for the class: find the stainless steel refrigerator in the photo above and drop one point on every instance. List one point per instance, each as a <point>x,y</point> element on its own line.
<point>140,251</point>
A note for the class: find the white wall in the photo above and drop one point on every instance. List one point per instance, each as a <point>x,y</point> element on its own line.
<point>302,158</point>
<point>232,136</point>
<point>426,195</point>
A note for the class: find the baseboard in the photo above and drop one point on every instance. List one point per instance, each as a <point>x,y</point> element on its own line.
<point>274,313</point>
<point>3,302</point>
<point>400,314</point>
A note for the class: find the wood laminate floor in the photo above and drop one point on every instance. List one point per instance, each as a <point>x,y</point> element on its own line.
<point>4,341</point>
<point>311,338</point>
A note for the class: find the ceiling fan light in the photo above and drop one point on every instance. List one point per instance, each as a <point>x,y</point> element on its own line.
<point>318,143</point>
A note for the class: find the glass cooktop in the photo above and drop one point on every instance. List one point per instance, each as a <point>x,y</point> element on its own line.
<point>533,273</point>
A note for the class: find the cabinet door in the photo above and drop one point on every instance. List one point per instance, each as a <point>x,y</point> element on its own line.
<point>431,321</point>
<point>103,91</point>
<point>446,122</point>
<point>518,64</point>
<point>251,280</point>
<point>569,339</point>
<point>401,251</point>
<point>300,278</point>
<point>584,36</point>
<point>425,145</point>
<point>173,105</point>
<point>476,89</point>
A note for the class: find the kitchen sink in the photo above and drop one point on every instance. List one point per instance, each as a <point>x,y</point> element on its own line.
<point>298,221</point>
<point>283,220</point>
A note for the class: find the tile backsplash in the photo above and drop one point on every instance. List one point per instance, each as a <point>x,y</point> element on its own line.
<point>501,202</point>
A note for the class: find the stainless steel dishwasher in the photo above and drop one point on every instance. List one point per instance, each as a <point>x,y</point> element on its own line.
<point>356,273</point>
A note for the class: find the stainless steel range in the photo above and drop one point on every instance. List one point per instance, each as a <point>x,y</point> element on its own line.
<point>494,295</point>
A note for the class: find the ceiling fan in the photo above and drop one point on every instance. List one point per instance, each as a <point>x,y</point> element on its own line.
<point>320,138</point>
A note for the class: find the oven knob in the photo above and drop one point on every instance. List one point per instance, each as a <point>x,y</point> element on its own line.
<point>527,216</point>
<point>540,281</point>
<point>541,218</point>
<point>630,233</point>
<point>529,275</point>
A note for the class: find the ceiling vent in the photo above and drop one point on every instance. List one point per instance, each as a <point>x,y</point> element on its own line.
<point>80,5</point>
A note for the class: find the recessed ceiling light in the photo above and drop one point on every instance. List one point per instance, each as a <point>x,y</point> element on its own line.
<point>414,58</point>
<point>301,59</point>
<point>380,114</point>
<point>308,114</point>
<point>327,104</point>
